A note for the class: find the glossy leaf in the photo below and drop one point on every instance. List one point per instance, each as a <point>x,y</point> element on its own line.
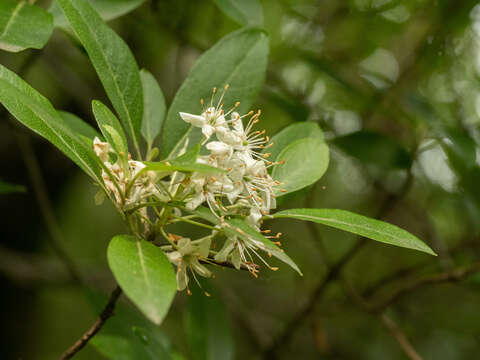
<point>240,60</point>
<point>373,148</point>
<point>239,228</point>
<point>306,160</point>
<point>113,61</point>
<point>208,328</point>
<point>144,273</point>
<point>171,166</point>
<point>291,134</point>
<point>108,10</point>
<point>35,111</point>
<point>6,188</point>
<point>110,127</point>
<point>23,26</point>
<point>245,12</point>
<point>154,107</point>
<point>359,225</point>
<point>79,126</point>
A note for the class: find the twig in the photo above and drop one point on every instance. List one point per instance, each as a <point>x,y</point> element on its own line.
<point>455,275</point>
<point>95,328</point>
<point>391,326</point>
<point>400,337</point>
<point>332,274</point>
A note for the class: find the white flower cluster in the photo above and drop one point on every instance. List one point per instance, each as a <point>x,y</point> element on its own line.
<point>246,185</point>
<point>117,175</point>
<point>244,188</point>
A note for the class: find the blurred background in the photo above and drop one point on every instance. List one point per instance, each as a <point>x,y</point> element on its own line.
<point>395,85</point>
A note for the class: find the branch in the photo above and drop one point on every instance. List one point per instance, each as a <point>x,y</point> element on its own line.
<point>400,337</point>
<point>95,328</point>
<point>455,275</point>
<point>332,274</point>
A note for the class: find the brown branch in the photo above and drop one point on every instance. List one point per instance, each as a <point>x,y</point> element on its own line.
<point>107,312</point>
<point>332,274</point>
<point>455,275</point>
<point>400,337</point>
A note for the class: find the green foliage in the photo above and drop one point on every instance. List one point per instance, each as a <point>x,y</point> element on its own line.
<point>239,60</point>
<point>23,26</point>
<point>373,148</point>
<point>110,128</point>
<point>245,12</point>
<point>154,107</point>
<point>360,225</point>
<point>144,273</point>
<point>80,127</point>
<point>114,62</point>
<point>6,188</point>
<point>208,328</point>
<point>291,134</point>
<point>36,112</point>
<point>107,9</point>
<point>306,160</point>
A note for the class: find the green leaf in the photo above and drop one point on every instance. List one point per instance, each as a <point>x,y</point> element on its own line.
<point>6,188</point>
<point>171,166</point>
<point>110,128</point>
<point>154,107</point>
<point>190,156</point>
<point>144,273</point>
<point>35,111</point>
<point>23,26</point>
<point>208,328</point>
<point>113,62</point>
<point>108,10</point>
<point>376,149</point>
<point>306,160</point>
<point>360,225</point>
<point>293,133</point>
<point>240,60</point>
<point>238,227</point>
<point>245,12</point>
<point>79,126</point>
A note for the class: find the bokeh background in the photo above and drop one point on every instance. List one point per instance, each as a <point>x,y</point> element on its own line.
<point>395,85</point>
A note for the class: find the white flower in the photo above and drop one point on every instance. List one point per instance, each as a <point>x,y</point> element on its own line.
<point>187,257</point>
<point>218,148</point>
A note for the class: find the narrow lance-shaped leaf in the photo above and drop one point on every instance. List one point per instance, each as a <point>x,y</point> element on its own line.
<point>110,128</point>
<point>108,10</point>
<point>154,107</point>
<point>240,60</point>
<point>245,12</point>
<point>80,127</point>
<point>306,160</point>
<point>23,26</point>
<point>113,62</point>
<point>35,111</point>
<point>144,273</point>
<point>238,227</point>
<point>360,225</point>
